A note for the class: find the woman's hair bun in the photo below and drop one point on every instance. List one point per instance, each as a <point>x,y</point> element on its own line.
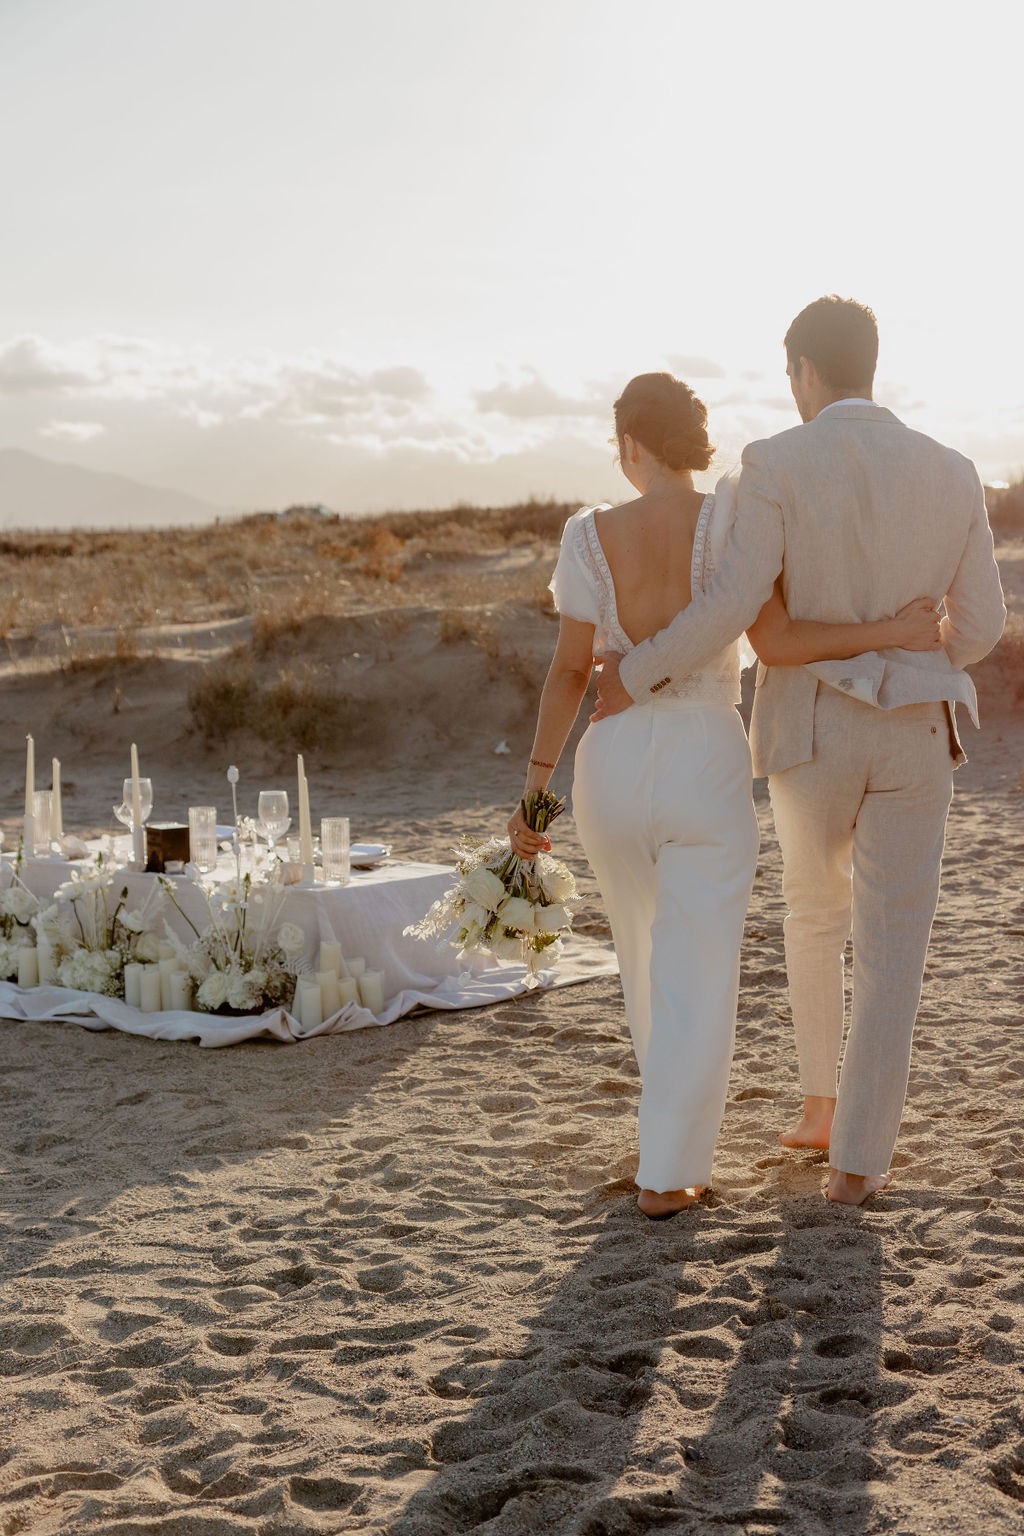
<point>665,415</point>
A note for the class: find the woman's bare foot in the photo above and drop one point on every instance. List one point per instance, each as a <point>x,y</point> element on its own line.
<point>854,1188</point>
<point>815,1125</point>
<point>660,1205</point>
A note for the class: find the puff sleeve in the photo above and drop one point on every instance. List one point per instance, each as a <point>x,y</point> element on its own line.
<point>570,584</point>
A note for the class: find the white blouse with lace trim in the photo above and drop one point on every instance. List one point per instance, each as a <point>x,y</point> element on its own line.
<point>583,589</point>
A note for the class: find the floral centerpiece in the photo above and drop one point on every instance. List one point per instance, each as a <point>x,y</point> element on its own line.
<point>502,905</point>
<point>244,959</point>
<point>92,934</point>
<point>18,907</point>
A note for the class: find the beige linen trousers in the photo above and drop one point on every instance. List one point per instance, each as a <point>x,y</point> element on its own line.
<point>857,514</point>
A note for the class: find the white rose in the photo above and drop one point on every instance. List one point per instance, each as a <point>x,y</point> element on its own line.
<point>473,912</point>
<point>291,938</point>
<point>133,921</point>
<point>518,913</point>
<point>559,883</point>
<point>482,885</point>
<point>551,919</point>
<point>469,936</point>
<point>214,991</point>
<point>507,949</point>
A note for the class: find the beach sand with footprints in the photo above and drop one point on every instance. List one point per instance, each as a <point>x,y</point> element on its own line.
<point>396,1282</point>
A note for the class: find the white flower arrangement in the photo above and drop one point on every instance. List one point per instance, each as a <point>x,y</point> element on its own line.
<point>18,907</point>
<point>91,934</point>
<point>244,960</point>
<point>511,908</point>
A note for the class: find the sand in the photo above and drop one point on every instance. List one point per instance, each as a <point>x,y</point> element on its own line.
<point>395,1282</point>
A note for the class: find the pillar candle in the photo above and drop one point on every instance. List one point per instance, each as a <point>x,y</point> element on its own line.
<point>56,810</point>
<point>167,969</point>
<point>330,957</point>
<point>348,990</point>
<point>309,1009</point>
<point>133,983</point>
<point>47,964</point>
<point>149,989</point>
<point>330,993</point>
<point>305,825</point>
<point>28,966</point>
<point>356,967</point>
<point>371,991</point>
<point>181,992</point>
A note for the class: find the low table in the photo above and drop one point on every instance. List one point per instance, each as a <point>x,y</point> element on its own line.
<point>367,917</point>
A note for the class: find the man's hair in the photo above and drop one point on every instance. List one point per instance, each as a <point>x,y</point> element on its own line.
<point>840,337</point>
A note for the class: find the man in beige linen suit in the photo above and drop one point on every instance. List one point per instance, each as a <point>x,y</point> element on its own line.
<point>855,514</point>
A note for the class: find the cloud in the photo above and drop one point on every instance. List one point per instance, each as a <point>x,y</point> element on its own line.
<point>74,431</point>
<point>536,398</point>
<point>29,366</point>
<point>687,366</point>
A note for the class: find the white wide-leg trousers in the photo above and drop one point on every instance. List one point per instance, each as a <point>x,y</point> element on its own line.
<point>861,829</point>
<point>662,800</point>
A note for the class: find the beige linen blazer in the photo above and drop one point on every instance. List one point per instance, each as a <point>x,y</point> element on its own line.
<point>860,514</point>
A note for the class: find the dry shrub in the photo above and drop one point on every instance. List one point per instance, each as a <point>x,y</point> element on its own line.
<point>384,555</point>
<point>225,699</point>
<point>271,626</point>
<point>299,706</point>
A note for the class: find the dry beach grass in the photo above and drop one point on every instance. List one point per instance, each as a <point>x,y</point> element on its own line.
<point>395,1282</point>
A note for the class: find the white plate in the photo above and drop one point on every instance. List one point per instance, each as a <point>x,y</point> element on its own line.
<point>366,855</point>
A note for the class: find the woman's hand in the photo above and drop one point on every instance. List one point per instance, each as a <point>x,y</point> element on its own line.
<point>917,626</point>
<point>525,842</point>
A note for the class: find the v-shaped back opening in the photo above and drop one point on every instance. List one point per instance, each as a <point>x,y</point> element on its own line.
<point>700,533</point>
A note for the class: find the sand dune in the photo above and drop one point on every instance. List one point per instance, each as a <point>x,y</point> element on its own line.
<point>395,1282</point>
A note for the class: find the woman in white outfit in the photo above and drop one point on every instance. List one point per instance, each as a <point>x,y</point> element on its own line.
<point>662,792</point>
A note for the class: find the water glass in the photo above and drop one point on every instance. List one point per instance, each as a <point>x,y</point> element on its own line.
<point>334,849</point>
<point>202,836</point>
<point>42,813</point>
<point>273,818</point>
<point>145,798</point>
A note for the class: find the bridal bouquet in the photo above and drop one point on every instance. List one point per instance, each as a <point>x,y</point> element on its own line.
<point>91,933</point>
<point>244,960</point>
<point>502,905</point>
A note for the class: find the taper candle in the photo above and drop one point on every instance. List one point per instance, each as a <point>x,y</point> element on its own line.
<point>30,776</point>
<point>305,825</point>
<point>56,810</point>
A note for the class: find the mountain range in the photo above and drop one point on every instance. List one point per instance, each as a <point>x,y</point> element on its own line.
<point>37,493</point>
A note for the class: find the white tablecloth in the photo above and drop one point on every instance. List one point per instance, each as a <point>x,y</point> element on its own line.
<point>367,917</point>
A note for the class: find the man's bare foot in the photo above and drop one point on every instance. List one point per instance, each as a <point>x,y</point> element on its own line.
<point>854,1188</point>
<point>814,1127</point>
<point>659,1206</point>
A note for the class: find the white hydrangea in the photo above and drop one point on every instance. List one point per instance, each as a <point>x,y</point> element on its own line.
<point>88,970</point>
<point>19,903</point>
<point>8,958</point>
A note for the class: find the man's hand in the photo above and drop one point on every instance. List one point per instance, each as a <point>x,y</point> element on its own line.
<point>612,697</point>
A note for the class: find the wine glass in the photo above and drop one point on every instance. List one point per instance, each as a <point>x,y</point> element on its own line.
<point>273,818</point>
<point>145,800</point>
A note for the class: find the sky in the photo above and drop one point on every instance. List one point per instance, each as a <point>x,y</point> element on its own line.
<point>406,254</point>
